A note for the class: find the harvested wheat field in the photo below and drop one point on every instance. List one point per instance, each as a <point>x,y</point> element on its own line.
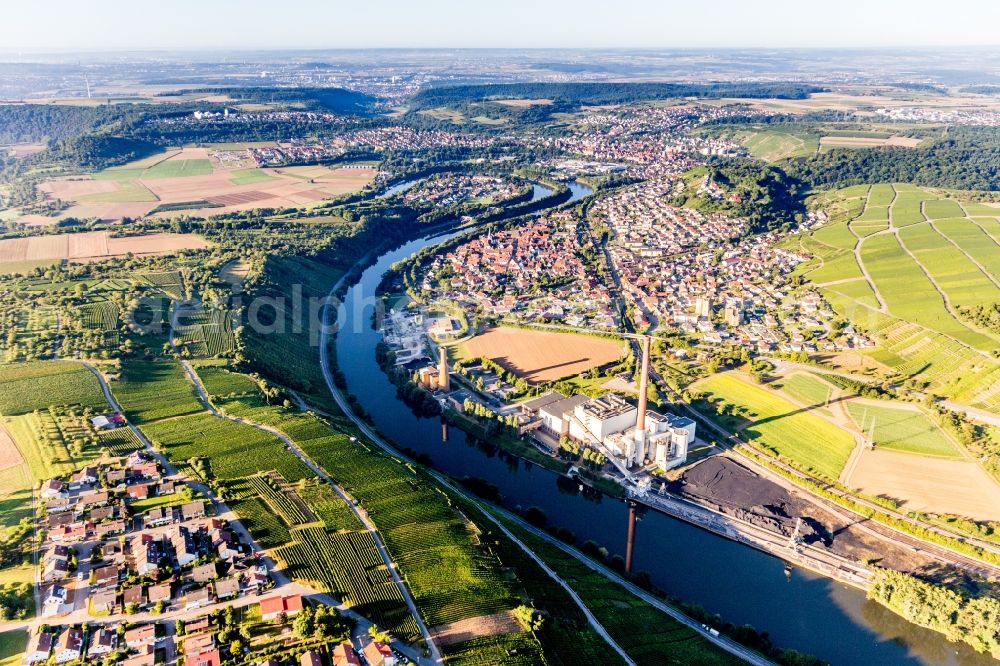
<point>10,456</point>
<point>474,627</point>
<point>94,246</point>
<point>923,483</point>
<point>540,356</point>
<point>868,142</point>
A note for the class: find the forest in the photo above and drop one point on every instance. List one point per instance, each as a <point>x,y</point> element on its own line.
<point>606,93</point>
<point>966,159</point>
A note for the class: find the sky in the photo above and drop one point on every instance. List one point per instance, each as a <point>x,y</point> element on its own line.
<point>256,24</point>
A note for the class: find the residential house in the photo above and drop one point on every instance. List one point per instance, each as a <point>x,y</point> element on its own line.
<point>204,573</point>
<point>85,477</point>
<point>184,547</point>
<point>161,592</point>
<point>138,637</point>
<point>210,658</point>
<point>345,655</point>
<point>69,645</point>
<point>226,588</point>
<point>271,607</point>
<point>198,598</point>
<point>38,648</point>
<point>193,510</point>
<point>133,596</point>
<point>379,654</point>
<point>106,575</point>
<point>103,642</point>
<point>104,600</point>
<point>52,488</point>
<point>310,658</point>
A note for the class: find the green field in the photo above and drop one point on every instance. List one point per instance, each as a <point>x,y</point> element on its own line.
<point>249,176</point>
<point>25,387</point>
<point>177,168</point>
<point>12,645</point>
<point>910,295</point>
<point>902,429</point>
<point>804,388</point>
<point>772,421</point>
<point>151,390</point>
<point>128,191</point>
<point>773,145</point>
<point>951,269</point>
<point>46,445</point>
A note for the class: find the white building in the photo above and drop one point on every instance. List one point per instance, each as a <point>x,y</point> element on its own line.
<point>556,416</point>
<point>599,418</point>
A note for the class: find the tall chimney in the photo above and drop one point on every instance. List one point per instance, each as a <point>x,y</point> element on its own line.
<point>444,381</point>
<point>640,422</point>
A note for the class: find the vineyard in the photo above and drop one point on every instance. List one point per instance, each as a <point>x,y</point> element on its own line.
<point>25,387</point>
<point>222,383</point>
<point>452,577</point>
<point>281,503</point>
<point>120,441</point>
<point>266,528</point>
<point>206,331</point>
<point>329,507</point>
<point>348,564</point>
<point>234,450</point>
<point>152,390</point>
<point>169,282</point>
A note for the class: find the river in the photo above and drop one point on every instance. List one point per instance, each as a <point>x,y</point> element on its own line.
<point>799,609</point>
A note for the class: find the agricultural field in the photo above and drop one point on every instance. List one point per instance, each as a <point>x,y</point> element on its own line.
<point>928,484</point>
<point>16,482</point>
<point>771,421</point>
<point>119,442</point>
<point>348,564</point>
<point>152,390</point>
<point>540,356</point>
<point>48,446</point>
<point>421,528</point>
<point>805,388</point>
<point>91,246</point>
<point>902,429</point>
<point>25,387</point>
<point>192,180</point>
<point>860,141</point>
<point>221,382</point>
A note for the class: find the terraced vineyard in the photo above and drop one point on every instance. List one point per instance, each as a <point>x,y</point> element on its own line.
<point>206,332</point>
<point>931,264</point>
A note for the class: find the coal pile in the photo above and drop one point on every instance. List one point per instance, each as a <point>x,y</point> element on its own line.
<point>733,489</point>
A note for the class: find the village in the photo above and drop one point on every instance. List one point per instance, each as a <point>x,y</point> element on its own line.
<point>136,568</point>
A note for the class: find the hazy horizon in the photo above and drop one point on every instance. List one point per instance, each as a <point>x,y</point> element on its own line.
<point>62,26</point>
